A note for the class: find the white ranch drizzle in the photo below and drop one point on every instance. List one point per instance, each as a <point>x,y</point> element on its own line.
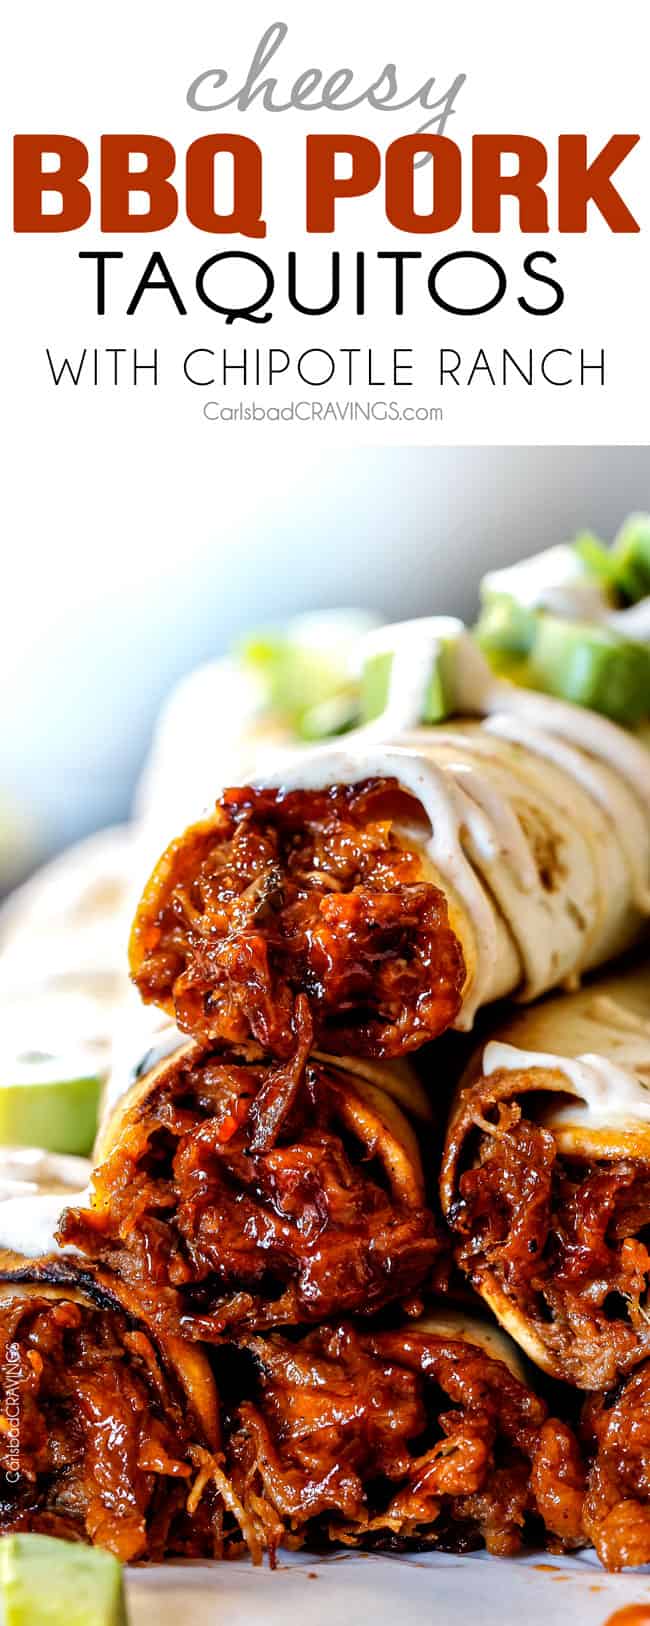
<point>593,907</point>
<point>634,622</point>
<point>28,1224</point>
<point>595,858</point>
<point>552,939</point>
<point>29,1170</point>
<point>413,646</point>
<point>472,826</point>
<point>555,580</point>
<point>479,693</point>
<point>608,1094</point>
<point>575,725</point>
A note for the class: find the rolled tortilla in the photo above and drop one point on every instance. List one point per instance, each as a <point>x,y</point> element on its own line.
<point>403,880</point>
<point>397,1078</point>
<point>423,1436</point>
<point>240,1193</point>
<point>108,1433</point>
<point>546,1178</point>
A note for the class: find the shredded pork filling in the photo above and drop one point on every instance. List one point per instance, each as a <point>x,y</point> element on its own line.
<point>402,1439</point>
<point>616,1515</point>
<point>301,892</point>
<point>246,1195</point>
<point>566,1241</point>
<point>93,1444</point>
<point>398,1439</point>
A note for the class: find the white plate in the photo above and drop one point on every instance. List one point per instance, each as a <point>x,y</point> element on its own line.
<point>355,1590</point>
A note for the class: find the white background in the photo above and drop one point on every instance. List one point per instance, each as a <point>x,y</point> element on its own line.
<point>538,70</point>
<point>138,537</point>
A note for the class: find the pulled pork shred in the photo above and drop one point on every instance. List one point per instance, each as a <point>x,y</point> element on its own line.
<point>102,1449</point>
<point>562,1239</point>
<point>402,1440</point>
<point>388,1440</point>
<point>245,1195</point>
<point>311,892</point>
<point>616,1429</point>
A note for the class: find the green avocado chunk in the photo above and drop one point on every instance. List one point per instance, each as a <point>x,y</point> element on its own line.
<point>592,666</point>
<point>47,1582</point>
<point>631,556</point>
<point>305,670</point>
<point>58,1114</point>
<point>504,626</point>
<point>599,561</point>
<point>438,701</point>
<point>329,718</point>
<point>375,683</point>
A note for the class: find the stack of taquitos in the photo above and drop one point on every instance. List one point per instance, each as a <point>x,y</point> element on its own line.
<point>425,1435</point>
<point>309,936</point>
<point>275,1173</point>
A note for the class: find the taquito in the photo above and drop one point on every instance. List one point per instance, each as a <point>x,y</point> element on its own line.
<point>109,1433</point>
<point>424,1436</point>
<point>401,881</point>
<point>546,1178</point>
<point>248,1193</point>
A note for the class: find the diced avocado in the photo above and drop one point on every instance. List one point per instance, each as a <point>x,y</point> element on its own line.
<point>294,679</point>
<point>599,561</point>
<point>631,557</point>
<point>505,626</point>
<point>624,569</point>
<point>330,717</point>
<point>438,701</point>
<point>47,1582</point>
<point>58,1114</point>
<point>559,580</point>
<point>592,666</point>
<point>375,684</point>
<point>308,666</point>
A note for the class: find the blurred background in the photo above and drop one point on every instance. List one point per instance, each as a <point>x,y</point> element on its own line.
<point>114,607</point>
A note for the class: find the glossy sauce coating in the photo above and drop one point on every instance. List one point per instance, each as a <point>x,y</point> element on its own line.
<point>300,892</point>
<point>105,1453</point>
<point>563,1238</point>
<point>403,1440</point>
<point>616,1433</point>
<point>632,1614</point>
<point>258,1195</point>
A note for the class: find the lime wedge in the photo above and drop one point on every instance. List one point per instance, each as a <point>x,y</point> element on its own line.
<point>47,1582</point>
<point>40,1106</point>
